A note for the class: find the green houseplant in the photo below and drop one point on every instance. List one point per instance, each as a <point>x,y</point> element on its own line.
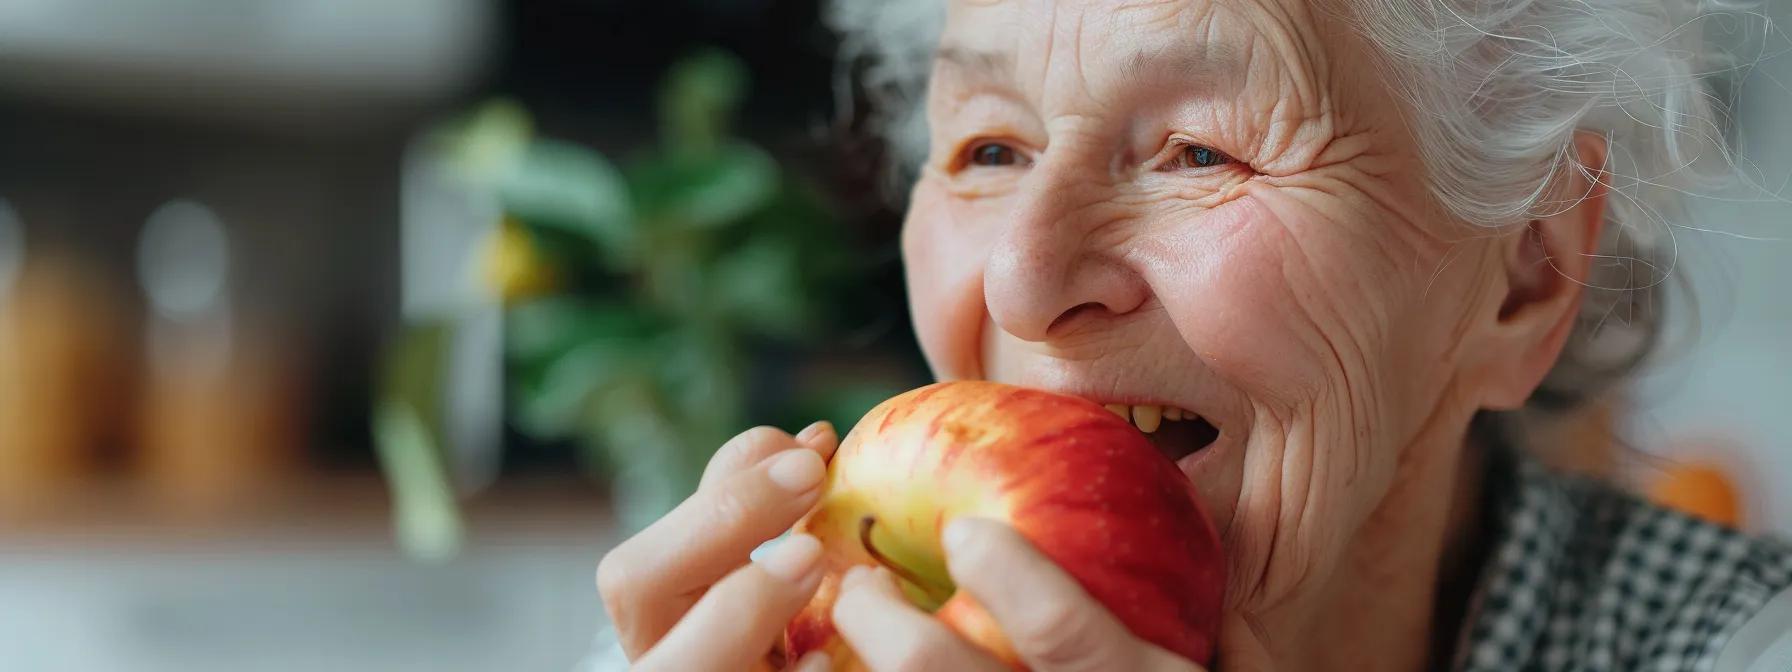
<point>639,296</point>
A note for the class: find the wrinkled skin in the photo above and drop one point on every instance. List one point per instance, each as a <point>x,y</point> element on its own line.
<point>1208,204</point>
<point>1308,295</point>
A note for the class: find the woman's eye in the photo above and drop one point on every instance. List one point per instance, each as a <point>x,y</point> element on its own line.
<point>1196,156</point>
<point>994,154</point>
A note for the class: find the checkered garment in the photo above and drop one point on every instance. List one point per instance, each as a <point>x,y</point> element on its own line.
<point>1585,577</point>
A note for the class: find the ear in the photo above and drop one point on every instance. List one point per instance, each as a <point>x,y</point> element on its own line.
<point>1547,265</point>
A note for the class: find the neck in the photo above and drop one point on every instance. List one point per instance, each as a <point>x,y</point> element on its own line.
<point>1398,598</point>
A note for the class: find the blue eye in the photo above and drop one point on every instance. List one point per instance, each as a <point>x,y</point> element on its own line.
<point>993,154</point>
<point>1196,156</point>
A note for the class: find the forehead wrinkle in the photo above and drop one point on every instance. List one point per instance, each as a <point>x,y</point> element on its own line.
<point>1257,56</point>
<point>1172,6</point>
<point>1300,118</point>
<point>1154,11</point>
<point>1208,64</point>
<point>1082,61</point>
<point>1201,65</point>
<point>974,63</point>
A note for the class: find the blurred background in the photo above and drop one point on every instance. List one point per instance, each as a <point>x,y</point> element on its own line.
<point>347,335</point>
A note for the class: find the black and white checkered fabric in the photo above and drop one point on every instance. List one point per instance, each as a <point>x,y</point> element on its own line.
<point>1585,577</point>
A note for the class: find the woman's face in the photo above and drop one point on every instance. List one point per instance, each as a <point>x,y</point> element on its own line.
<point>1211,206</point>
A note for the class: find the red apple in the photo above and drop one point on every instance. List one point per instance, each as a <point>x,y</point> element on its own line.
<point>1080,483</point>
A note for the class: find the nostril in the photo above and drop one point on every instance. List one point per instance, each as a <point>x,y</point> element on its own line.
<point>1077,312</point>
<point>1040,279</point>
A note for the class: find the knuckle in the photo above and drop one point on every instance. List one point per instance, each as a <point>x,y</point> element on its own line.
<point>753,587</point>
<point>927,654</point>
<point>738,452</point>
<point>847,606</point>
<point>762,433</point>
<point>757,438</point>
<point>1060,635</point>
<point>730,508</point>
<point>613,589</point>
<point>999,543</point>
<point>612,576</point>
<point>977,556</point>
<point>731,449</point>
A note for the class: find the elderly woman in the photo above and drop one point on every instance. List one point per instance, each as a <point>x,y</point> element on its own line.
<point>1360,242</point>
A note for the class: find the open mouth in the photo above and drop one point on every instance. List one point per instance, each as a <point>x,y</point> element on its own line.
<point>1176,432</point>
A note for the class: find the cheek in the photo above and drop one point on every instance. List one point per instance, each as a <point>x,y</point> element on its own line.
<point>1226,285</point>
<point>1310,310</point>
<point>943,250</point>
<point>1296,299</point>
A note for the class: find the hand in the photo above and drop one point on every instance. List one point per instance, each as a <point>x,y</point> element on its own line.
<point>1052,622</point>
<point>683,594</point>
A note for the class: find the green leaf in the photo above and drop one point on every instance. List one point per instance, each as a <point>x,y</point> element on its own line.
<point>842,403</point>
<point>759,285</point>
<point>562,185</point>
<point>703,191</point>
<point>699,97</point>
<point>407,437</point>
<point>549,327</point>
<point>655,468</point>
<point>566,350</point>
<point>555,402</point>
<point>487,144</point>
<point>425,516</point>
<point>702,377</point>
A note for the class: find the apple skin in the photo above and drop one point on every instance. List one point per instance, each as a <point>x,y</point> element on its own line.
<point>1083,485</point>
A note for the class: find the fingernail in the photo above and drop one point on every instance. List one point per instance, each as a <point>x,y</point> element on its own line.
<point>814,431</point>
<point>797,471</point>
<point>854,576</point>
<point>794,560</point>
<point>956,535</point>
<point>815,661</point>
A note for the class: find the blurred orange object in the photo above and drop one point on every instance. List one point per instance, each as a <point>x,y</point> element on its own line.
<point>1700,490</point>
<point>221,423</point>
<point>61,381</point>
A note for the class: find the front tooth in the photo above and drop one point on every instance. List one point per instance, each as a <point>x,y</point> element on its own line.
<point>1120,410</point>
<point>1147,417</point>
<point>1172,413</point>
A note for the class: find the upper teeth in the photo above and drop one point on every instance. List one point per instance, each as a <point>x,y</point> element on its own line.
<point>1148,417</point>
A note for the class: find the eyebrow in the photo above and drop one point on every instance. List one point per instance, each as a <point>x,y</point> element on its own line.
<point>980,64</point>
<point>1204,66</point>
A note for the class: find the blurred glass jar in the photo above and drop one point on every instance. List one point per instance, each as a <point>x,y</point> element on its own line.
<point>61,387</point>
<point>219,422</point>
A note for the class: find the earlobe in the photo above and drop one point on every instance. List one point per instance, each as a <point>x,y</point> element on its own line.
<point>1547,270</point>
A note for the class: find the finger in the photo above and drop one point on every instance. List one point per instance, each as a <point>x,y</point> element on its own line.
<point>1049,619</point>
<point>650,579</point>
<point>815,661</point>
<point>750,447</point>
<point>892,635</point>
<point>1154,658</point>
<point>735,623</point>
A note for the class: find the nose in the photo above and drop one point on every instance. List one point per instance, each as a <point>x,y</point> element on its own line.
<point>1046,271</point>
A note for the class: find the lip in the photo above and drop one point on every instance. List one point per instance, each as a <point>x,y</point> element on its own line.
<point>1125,378</point>
<point>1218,409</point>
<point>1188,461</point>
<point>1195,462</point>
